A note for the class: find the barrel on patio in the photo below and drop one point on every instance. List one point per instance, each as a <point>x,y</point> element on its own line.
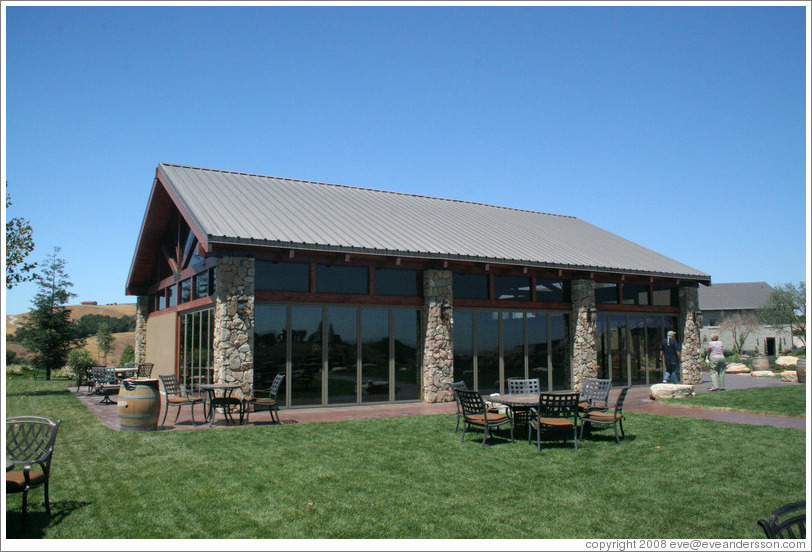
<point>139,404</point>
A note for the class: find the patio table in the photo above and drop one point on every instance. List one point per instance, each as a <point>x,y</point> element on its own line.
<point>224,401</point>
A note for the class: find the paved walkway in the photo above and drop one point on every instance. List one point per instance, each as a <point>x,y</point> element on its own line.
<point>636,401</point>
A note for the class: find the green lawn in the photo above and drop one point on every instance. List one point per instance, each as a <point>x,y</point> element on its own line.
<point>783,400</point>
<point>403,478</point>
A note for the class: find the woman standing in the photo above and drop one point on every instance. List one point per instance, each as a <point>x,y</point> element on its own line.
<point>716,355</point>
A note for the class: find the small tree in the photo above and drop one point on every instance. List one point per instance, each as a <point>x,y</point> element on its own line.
<point>786,306</point>
<point>740,326</point>
<point>79,362</point>
<point>127,355</point>
<point>104,341</point>
<point>19,244</point>
<point>49,332</point>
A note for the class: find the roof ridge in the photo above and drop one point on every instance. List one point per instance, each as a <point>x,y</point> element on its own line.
<point>370,190</point>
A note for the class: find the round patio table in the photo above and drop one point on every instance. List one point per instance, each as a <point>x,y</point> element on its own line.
<point>225,401</point>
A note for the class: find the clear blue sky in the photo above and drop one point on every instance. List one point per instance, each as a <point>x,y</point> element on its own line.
<point>680,128</point>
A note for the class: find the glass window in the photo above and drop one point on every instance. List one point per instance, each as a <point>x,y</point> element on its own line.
<point>406,334</point>
<point>161,300</point>
<point>342,279</point>
<point>464,347</point>
<point>635,294</point>
<point>513,344</point>
<point>606,294</point>
<point>537,347</point>
<point>282,276</point>
<point>201,285</point>
<point>392,281</point>
<point>560,351</point>
<point>512,288</point>
<point>171,297</point>
<point>306,346</point>
<point>270,346</point>
<point>666,296</point>
<point>553,291</point>
<point>487,347</point>
<point>374,355</point>
<point>186,290</point>
<point>342,355</point>
<point>470,286</point>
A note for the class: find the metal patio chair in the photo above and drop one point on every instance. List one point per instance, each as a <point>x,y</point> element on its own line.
<point>144,369</point>
<point>595,395</point>
<point>29,441</point>
<point>454,387</point>
<point>178,398</point>
<point>105,383</point>
<point>787,522</point>
<point>475,413</point>
<point>518,386</point>
<point>613,418</point>
<point>269,403</point>
<point>556,412</point>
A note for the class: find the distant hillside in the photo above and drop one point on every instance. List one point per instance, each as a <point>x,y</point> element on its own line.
<point>121,340</point>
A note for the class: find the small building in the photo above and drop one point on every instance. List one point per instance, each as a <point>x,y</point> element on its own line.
<point>721,301</point>
<point>361,296</point>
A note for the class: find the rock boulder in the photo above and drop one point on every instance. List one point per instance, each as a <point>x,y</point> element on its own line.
<point>789,376</point>
<point>670,391</point>
<point>762,374</point>
<point>787,361</point>
<point>737,368</point>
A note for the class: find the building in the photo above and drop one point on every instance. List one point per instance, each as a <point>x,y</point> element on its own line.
<point>720,301</point>
<point>362,296</point>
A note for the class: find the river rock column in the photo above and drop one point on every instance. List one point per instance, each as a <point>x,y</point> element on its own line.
<point>233,340</point>
<point>141,312</point>
<point>437,346</point>
<point>584,329</point>
<point>691,353</point>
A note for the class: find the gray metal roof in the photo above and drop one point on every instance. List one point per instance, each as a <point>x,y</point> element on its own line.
<point>240,208</point>
<point>734,296</point>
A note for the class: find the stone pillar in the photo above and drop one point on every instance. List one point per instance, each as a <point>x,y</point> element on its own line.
<point>584,328</point>
<point>691,353</point>
<point>234,322</point>
<point>437,347</point>
<point>141,312</point>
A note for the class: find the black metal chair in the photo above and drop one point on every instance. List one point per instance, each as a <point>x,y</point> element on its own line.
<point>595,395</point>
<point>454,387</point>
<point>29,441</point>
<point>518,386</point>
<point>144,369</point>
<point>105,383</point>
<point>475,413</point>
<point>556,412</point>
<point>613,418</point>
<point>787,522</point>
<point>269,403</point>
<point>178,398</point>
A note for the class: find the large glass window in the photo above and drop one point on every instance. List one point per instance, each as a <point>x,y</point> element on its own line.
<point>306,351</point>
<point>282,276</point>
<point>537,348</point>
<point>512,288</point>
<point>560,349</point>
<point>513,344</point>
<point>196,355</point>
<point>635,295</point>
<point>342,279</point>
<point>374,355</point>
<point>186,290</point>
<point>654,337</point>
<point>553,291</point>
<point>470,286</point>
<point>665,296</point>
<point>200,287</point>
<point>171,296</point>
<point>270,346</point>
<point>464,347</point>
<point>637,349</point>
<point>392,281</point>
<point>617,350</point>
<point>606,294</point>
<point>342,355</point>
<point>406,336</point>
<point>487,348</point>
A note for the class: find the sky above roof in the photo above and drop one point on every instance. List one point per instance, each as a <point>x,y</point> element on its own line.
<point>680,128</point>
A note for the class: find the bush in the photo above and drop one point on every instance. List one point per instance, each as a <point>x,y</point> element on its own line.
<point>79,362</point>
<point>127,355</point>
<point>11,357</point>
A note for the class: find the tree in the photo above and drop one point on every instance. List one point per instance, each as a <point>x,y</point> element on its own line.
<point>786,306</point>
<point>19,244</point>
<point>740,325</point>
<point>127,355</point>
<point>49,334</point>
<point>104,340</point>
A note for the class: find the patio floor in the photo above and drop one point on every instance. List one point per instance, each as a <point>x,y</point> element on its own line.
<point>636,401</point>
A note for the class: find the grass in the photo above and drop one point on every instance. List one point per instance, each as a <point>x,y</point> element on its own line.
<point>403,478</point>
<point>784,400</point>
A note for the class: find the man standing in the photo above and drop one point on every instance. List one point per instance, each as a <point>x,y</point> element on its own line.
<point>669,351</point>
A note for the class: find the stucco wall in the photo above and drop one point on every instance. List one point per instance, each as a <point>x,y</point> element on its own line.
<point>161,343</point>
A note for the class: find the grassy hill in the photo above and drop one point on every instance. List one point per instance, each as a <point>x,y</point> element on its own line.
<point>120,340</point>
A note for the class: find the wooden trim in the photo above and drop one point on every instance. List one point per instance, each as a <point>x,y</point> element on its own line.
<point>640,308</point>
<point>496,304</point>
<point>197,303</point>
<point>199,268</point>
<point>299,297</point>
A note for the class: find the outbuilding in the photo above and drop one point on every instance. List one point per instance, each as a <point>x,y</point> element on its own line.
<point>365,296</point>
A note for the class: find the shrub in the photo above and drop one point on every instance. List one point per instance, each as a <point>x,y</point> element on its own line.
<point>127,355</point>
<point>11,357</point>
<point>79,361</point>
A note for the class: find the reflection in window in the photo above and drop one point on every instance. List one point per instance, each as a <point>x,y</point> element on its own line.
<point>306,346</point>
<point>553,291</point>
<point>406,337</point>
<point>606,294</point>
<point>512,288</point>
<point>374,355</point>
<point>464,347</point>
<point>635,295</point>
<point>513,344</point>
<point>665,296</point>
<point>342,355</point>
<point>186,290</point>
<point>201,285</point>
<point>470,286</point>
<point>270,346</point>
<point>392,281</point>
<point>282,276</point>
<point>487,347</point>
<point>342,279</point>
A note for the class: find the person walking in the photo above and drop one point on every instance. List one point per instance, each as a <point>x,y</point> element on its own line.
<point>715,353</point>
<point>669,351</point>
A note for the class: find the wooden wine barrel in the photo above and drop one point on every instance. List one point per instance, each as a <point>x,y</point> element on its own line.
<point>760,363</point>
<point>139,404</point>
<point>801,370</point>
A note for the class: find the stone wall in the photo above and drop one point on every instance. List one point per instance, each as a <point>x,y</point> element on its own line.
<point>584,329</point>
<point>141,313</point>
<point>691,353</point>
<point>234,322</point>
<point>437,347</point>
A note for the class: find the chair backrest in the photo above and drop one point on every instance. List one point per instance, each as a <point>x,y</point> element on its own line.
<point>103,375</point>
<point>171,385</point>
<point>620,399</point>
<point>145,369</point>
<point>787,522</point>
<point>471,402</point>
<point>277,382</point>
<point>596,391</point>
<point>517,386</point>
<point>31,439</point>
<point>558,405</point>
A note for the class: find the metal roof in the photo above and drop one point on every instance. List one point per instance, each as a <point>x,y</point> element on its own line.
<point>239,208</point>
<point>734,296</point>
